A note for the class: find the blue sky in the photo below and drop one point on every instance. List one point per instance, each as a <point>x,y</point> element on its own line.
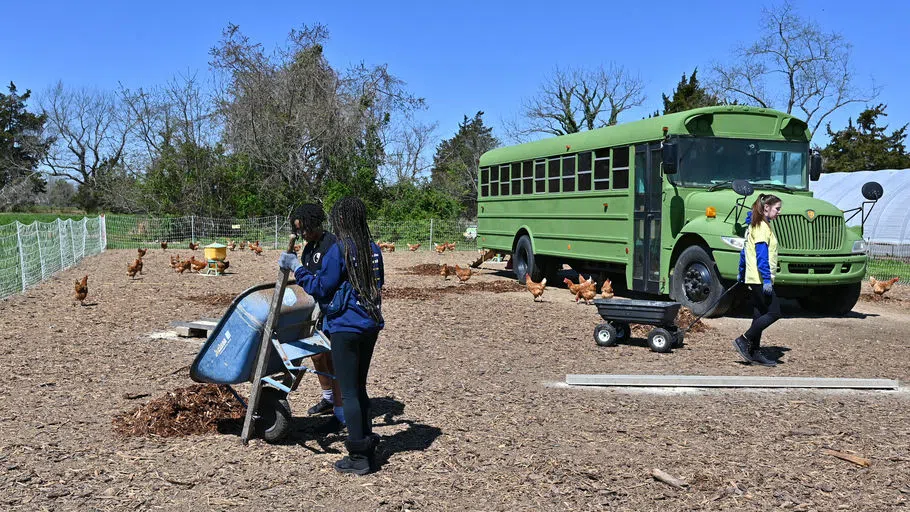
<point>462,57</point>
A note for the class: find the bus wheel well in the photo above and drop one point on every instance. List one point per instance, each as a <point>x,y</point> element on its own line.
<point>521,233</point>
<point>684,243</point>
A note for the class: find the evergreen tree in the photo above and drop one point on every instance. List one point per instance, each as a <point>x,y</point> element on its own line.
<point>22,141</point>
<point>689,94</point>
<point>457,159</point>
<point>865,146</point>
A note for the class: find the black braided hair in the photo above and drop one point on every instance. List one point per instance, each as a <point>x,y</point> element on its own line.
<point>310,215</point>
<point>349,222</point>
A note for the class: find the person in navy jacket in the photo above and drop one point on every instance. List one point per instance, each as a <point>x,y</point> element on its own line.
<point>350,283</point>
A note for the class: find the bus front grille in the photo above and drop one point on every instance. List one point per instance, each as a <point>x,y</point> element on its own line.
<point>796,232</point>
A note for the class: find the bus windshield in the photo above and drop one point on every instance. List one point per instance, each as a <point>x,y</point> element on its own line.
<point>710,161</point>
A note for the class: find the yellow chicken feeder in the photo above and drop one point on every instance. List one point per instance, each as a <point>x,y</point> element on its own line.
<point>215,253</point>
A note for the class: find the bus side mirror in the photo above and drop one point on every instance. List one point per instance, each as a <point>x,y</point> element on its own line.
<point>669,156</point>
<point>815,166</point>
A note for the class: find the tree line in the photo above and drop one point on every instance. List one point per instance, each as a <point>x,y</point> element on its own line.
<point>269,130</point>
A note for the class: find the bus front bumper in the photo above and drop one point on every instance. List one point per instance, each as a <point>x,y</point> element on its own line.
<point>803,270</point>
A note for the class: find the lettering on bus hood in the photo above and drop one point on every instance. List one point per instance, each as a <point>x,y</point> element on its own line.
<point>724,201</point>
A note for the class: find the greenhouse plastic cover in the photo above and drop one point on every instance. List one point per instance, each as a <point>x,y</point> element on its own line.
<point>889,220</point>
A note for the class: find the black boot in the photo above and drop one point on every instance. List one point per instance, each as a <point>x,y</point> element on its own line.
<point>759,357</point>
<point>361,458</point>
<point>742,346</point>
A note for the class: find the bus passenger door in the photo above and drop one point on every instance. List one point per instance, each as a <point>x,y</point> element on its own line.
<point>646,217</point>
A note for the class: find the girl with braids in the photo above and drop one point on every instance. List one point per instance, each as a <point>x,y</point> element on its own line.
<point>350,281</point>
<point>757,264</point>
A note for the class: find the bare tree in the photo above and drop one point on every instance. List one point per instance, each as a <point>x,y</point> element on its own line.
<point>406,150</point>
<point>573,100</point>
<point>90,130</point>
<point>795,66</point>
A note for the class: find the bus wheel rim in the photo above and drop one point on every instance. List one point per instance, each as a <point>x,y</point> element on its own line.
<point>697,282</point>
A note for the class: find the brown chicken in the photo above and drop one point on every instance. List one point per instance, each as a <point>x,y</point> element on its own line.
<point>231,245</point>
<point>450,246</point>
<point>81,288</point>
<point>222,266</point>
<point>463,274</point>
<point>880,287</point>
<point>258,250</point>
<point>587,293</point>
<point>445,270</point>
<point>183,266</point>
<point>175,260</point>
<point>198,265</point>
<point>164,245</point>
<point>134,268</point>
<point>243,245</point>
<point>606,291</point>
<point>574,288</point>
<point>536,289</point>
<point>141,252</point>
<point>413,247</point>
<point>194,246</point>
<point>440,248</point>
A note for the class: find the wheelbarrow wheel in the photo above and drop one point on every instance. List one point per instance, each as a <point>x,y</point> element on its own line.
<point>274,421</point>
<point>605,335</point>
<point>660,340</point>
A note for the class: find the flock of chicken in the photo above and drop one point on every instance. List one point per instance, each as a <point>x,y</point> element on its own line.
<point>585,288</point>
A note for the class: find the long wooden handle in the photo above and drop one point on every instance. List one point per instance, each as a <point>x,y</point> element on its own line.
<point>264,345</point>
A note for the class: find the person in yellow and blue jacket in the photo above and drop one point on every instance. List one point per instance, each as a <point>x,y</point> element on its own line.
<point>757,265</point>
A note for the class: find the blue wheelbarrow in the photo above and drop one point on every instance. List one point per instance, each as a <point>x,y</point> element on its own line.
<point>229,355</point>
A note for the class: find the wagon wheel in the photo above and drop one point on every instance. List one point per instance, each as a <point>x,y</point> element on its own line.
<point>274,421</point>
<point>660,340</point>
<point>605,335</point>
<point>623,331</point>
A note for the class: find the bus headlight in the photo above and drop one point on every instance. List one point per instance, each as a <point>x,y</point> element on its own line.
<point>859,247</point>
<point>734,242</point>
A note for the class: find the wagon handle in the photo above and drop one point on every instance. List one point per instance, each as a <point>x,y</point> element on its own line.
<point>699,317</point>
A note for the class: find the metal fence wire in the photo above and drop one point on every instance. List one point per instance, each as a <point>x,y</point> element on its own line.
<point>32,253</point>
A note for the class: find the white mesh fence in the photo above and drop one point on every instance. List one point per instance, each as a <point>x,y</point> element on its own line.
<point>30,253</point>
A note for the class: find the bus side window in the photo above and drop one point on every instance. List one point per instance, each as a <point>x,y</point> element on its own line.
<point>504,180</point>
<point>602,169</point>
<point>568,173</point>
<point>527,173</point>
<point>484,181</point>
<point>621,168</point>
<point>584,172</point>
<point>516,178</point>
<point>540,176</point>
<point>553,172</point>
<point>494,181</point>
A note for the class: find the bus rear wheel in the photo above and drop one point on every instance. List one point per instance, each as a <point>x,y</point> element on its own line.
<point>524,261</point>
<point>696,285</point>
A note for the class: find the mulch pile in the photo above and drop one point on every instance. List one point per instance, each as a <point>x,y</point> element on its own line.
<point>425,269</point>
<point>193,410</point>
<point>683,319</point>
<point>426,293</point>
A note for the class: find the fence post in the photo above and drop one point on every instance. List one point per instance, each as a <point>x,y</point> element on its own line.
<point>276,231</point>
<point>84,234</point>
<point>102,232</point>
<point>192,228</point>
<point>21,255</point>
<point>69,222</point>
<point>40,255</point>
<point>431,233</point>
<point>60,241</point>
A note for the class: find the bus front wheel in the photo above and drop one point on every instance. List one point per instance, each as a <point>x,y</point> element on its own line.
<point>524,262</point>
<point>696,285</point>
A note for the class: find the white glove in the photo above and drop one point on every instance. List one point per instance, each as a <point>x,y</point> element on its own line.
<point>289,261</point>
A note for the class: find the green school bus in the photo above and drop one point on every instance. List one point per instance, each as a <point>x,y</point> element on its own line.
<point>650,205</point>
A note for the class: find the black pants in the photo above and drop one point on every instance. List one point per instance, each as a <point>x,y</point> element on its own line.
<point>765,311</point>
<point>351,354</point>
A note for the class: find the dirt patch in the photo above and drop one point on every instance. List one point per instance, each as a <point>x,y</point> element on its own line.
<point>425,269</point>
<point>429,292</point>
<point>193,410</point>
<point>214,299</point>
<point>873,298</point>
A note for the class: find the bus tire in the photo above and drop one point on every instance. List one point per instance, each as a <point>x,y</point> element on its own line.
<point>696,284</point>
<point>832,300</point>
<point>525,262</point>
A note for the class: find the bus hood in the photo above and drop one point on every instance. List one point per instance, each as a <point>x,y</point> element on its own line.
<point>723,202</point>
